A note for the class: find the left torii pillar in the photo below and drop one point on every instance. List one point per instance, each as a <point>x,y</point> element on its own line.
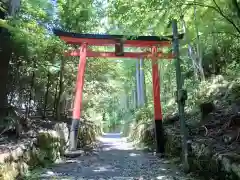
<point>77,106</point>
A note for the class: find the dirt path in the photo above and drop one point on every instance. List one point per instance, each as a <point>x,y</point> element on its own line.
<point>116,159</point>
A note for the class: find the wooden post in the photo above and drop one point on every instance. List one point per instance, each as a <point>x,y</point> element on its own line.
<point>159,135</point>
<point>76,114</point>
<point>181,94</point>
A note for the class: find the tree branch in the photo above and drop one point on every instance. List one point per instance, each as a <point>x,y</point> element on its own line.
<point>218,10</point>
<point>215,8</point>
<point>202,5</point>
<point>232,34</point>
<point>235,3</point>
<point>227,18</point>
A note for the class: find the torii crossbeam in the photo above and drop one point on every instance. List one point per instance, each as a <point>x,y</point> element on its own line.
<point>152,44</point>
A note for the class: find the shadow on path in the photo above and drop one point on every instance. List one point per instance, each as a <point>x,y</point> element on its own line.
<point>116,159</point>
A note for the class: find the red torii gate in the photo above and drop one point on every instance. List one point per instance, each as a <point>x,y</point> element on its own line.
<point>153,51</point>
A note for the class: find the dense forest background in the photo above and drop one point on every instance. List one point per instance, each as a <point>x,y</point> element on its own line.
<point>38,79</point>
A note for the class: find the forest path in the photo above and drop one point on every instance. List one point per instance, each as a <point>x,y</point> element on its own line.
<point>115,159</point>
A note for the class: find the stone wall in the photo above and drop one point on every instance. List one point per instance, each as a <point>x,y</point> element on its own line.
<point>206,156</point>
<point>46,148</point>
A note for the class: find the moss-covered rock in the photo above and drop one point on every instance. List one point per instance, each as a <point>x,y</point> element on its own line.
<point>87,134</point>
<point>203,157</point>
<point>31,157</point>
<point>230,164</point>
<point>173,143</point>
<point>8,171</point>
<point>63,132</point>
<point>49,144</point>
<point>45,149</point>
<point>23,168</point>
<point>46,139</point>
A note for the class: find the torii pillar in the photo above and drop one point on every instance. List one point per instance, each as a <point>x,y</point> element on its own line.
<point>159,134</point>
<point>77,106</point>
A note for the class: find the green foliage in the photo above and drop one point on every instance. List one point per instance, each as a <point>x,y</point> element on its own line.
<point>38,54</point>
<point>39,71</point>
<point>87,134</point>
<point>142,129</point>
<point>144,114</point>
<point>211,43</point>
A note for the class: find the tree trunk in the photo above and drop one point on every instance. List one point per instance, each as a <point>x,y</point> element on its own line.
<point>127,101</point>
<point>138,90</point>
<point>60,90</point>
<point>5,52</point>
<point>31,89</point>
<point>142,83</point>
<point>134,98</point>
<point>5,55</point>
<point>190,51</point>
<point>56,98</point>
<point>46,95</point>
<point>199,53</point>
<point>215,51</point>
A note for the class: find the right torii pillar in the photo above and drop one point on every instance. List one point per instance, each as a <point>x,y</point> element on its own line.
<point>159,133</point>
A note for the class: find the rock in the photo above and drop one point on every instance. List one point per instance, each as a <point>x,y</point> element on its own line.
<point>226,164</point>
<point>170,119</point>
<point>206,157</point>
<point>63,132</point>
<point>201,149</point>
<point>218,79</point>
<point>31,157</point>
<point>23,168</point>
<point>86,134</point>
<point>49,143</point>
<point>230,163</point>
<point>230,137</point>
<point>173,143</point>
<point>44,149</point>
<point>10,121</point>
<point>17,153</point>
<point>47,138</point>
<point>8,171</point>
<point>73,154</point>
<point>236,169</point>
<point>206,108</point>
<point>236,107</point>
<point>31,133</point>
<point>12,170</point>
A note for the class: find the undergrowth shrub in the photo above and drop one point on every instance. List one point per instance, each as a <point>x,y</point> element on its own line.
<point>128,119</point>
<point>87,133</point>
<point>221,90</point>
<point>142,131</point>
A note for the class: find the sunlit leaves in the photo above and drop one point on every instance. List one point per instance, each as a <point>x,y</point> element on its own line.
<point>75,15</point>
<point>215,21</point>
<point>39,10</point>
<point>104,78</point>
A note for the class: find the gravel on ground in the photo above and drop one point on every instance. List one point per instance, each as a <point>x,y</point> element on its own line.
<point>115,159</point>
